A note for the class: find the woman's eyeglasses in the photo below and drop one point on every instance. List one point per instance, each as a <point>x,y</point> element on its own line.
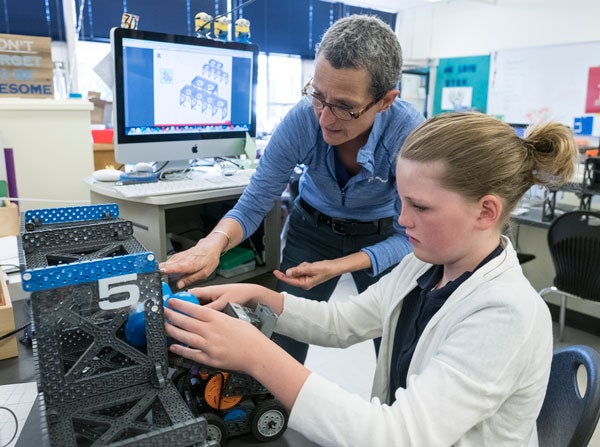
<point>308,92</point>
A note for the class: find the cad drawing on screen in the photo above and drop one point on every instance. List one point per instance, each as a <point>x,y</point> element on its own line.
<point>181,98</point>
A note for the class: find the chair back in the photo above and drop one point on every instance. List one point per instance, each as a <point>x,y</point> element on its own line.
<point>568,419</point>
<point>574,243</point>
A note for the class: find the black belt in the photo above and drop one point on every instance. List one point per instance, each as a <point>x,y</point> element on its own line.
<point>347,227</point>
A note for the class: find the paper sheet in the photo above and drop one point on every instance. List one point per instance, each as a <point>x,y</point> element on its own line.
<point>19,399</point>
<point>9,254</point>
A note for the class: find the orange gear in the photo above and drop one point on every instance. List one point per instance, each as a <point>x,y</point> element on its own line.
<point>213,390</point>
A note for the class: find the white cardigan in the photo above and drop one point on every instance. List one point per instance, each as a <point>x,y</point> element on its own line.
<point>477,377</point>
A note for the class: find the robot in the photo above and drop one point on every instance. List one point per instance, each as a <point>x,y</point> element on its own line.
<point>85,272</point>
<point>232,403</point>
<point>103,370</point>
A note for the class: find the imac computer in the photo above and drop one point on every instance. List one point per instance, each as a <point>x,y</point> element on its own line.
<point>181,98</point>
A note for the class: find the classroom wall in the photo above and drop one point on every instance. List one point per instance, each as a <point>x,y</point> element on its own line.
<point>467,28</point>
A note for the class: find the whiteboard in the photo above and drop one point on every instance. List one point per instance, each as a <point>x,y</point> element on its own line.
<point>529,84</point>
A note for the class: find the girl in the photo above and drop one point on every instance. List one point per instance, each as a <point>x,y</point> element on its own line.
<point>466,341</point>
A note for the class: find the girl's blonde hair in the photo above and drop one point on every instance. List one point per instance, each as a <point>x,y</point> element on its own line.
<point>483,155</point>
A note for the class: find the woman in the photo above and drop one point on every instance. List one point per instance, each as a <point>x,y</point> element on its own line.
<point>346,132</point>
<point>466,341</point>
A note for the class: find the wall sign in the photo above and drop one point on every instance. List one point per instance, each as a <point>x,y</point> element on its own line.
<point>461,84</point>
<point>592,102</point>
<point>25,66</point>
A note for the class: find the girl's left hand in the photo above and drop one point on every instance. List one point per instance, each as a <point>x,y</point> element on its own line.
<point>212,337</point>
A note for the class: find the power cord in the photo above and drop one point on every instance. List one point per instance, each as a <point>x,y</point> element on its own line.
<point>10,265</point>
<point>228,160</point>
<point>174,175</point>
<point>16,331</point>
<point>246,3</point>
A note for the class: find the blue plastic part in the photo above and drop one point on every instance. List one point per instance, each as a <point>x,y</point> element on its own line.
<point>139,177</point>
<point>185,296</point>
<point>135,328</point>
<point>234,415</point>
<point>82,272</point>
<point>73,213</point>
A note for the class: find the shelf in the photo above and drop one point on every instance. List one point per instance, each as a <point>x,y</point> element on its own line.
<point>193,215</point>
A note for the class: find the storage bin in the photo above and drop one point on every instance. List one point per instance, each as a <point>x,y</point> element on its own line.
<point>234,257</point>
<point>8,346</point>
<point>229,273</point>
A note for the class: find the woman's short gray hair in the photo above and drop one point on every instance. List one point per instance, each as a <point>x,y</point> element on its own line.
<point>363,41</point>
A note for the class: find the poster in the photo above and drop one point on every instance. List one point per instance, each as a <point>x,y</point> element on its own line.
<point>592,101</point>
<point>461,84</point>
<point>25,67</point>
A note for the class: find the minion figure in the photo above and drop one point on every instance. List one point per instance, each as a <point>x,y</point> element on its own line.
<point>202,22</point>
<point>222,28</point>
<point>242,30</point>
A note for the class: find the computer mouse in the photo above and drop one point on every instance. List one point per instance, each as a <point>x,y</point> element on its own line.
<point>107,175</point>
<point>143,167</point>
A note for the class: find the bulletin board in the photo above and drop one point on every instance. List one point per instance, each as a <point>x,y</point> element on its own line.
<point>461,84</point>
<point>550,82</point>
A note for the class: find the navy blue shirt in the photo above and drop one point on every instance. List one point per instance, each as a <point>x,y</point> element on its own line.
<point>419,306</point>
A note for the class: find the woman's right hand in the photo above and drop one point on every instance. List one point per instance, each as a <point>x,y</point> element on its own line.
<point>196,263</point>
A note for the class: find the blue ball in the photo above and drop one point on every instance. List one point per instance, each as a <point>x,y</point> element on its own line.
<point>135,328</point>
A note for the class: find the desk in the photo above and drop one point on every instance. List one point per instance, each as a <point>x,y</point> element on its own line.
<point>533,216</point>
<point>22,369</point>
<point>153,217</point>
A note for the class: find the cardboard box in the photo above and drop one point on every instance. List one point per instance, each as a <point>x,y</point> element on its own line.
<point>8,346</point>
<point>104,155</point>
<point>102,109</point>
<point>9,219</point>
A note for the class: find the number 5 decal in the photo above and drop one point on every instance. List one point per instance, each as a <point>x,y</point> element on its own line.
<point>108,287</point>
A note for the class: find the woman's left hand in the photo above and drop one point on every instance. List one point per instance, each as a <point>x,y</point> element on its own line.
<point>308,274</point>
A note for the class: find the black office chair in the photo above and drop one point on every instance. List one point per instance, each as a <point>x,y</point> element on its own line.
<point>568,419</point>
<point>574,242</point>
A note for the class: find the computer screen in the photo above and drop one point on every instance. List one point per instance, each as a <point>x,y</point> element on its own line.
<point>180,98</point>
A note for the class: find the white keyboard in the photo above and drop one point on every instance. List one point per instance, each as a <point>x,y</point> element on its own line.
<point>194,184</point>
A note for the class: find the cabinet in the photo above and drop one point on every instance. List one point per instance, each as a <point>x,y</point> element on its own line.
<point>161,222</point>
<point>52,148</point>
